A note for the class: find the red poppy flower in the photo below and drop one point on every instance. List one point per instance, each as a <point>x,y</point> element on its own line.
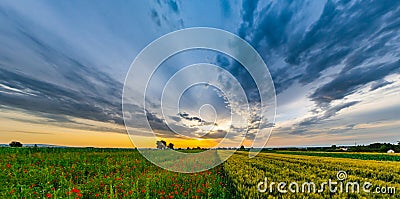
<point>75,190</point>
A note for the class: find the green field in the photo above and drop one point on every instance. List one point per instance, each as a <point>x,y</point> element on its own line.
<point>118,173</point>
<point>352,155</point>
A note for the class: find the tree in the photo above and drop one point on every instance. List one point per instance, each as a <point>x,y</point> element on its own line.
<point>15,144</point>
<point>161,144</point>
<point>384,148</point>
<point>242,148</point>
<point>171,146</point>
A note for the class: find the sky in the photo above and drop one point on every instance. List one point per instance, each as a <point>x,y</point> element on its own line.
<point>335,67</point>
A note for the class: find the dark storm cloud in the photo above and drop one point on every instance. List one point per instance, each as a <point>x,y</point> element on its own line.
<point>217,134</point>
<point>267,29</point>
<point>153,118</point>
<point>53,99</point>
<point>379,84</point>
<point>175,118</point>
<point>156,123</point>
<point>161,128</point>
<point>89,94</point>
<point>329,112</point>
<point>299,131</point>
<point>341,130</point>
<point>345,33</point>
<point>60,121</point>
<point>190,118</point>
<point>339,33</point>
<point>333,110</point>
<point>303,127</point>
<point>231,134</point>
<point>273,26</point>
<point>347,82</point>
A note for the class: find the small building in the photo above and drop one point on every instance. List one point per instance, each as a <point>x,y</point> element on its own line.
<point>344,149</point>
<point>390,151</point>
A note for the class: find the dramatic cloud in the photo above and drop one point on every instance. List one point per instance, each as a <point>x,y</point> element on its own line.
<point>187,117</point>
<point>379,84</point>
<point>49,98</point>
<point>347,82</point>
<point>330,112</point>
<point>344,33</point>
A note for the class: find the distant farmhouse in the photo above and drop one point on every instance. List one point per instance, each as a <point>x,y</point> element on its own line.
<point>344,149</point>
<point>390,151</point>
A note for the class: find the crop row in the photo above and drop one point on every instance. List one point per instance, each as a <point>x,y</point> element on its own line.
<point>246,174</point>
<point>351,155</point>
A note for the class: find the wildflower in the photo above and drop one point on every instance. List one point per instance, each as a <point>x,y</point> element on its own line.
<point>8,165</point>
<point>48,195</point>
<point>143,191</point>
<point>75,190</point>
